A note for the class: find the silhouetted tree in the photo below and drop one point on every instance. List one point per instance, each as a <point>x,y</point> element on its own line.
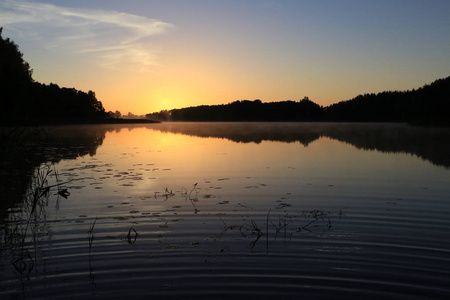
<point>245,110</point>
<point>427,105</point>
<point>26,102</point>
<point>15,79</point>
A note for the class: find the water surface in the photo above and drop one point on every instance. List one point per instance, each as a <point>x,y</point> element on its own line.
<point>259,210</point>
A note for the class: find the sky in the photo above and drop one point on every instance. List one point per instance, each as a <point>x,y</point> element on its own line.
<point>143,56</point>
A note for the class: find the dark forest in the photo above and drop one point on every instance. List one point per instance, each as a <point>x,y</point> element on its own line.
<point>428,105</point>
<point>27,102</point>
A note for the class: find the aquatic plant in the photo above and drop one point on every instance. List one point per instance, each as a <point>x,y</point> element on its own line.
<point>22,230</point>
<point>318,216</point>
<point>64,193</point>
<point>132,235</point>
<point>91,237</point>
<point>168,193</point>
<point>244,229</point>
<point>283,222</point>
<point>193,189</point>
<point>91,234</point>
<point>227,227</point>
<point>184,192</point>
<point>267,231</point>
<point>318,222</point>
<point>255,231</point>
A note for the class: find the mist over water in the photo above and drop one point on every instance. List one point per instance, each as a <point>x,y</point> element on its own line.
<point>201,210</point>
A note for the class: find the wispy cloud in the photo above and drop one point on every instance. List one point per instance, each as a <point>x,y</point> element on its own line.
<point>111,38</point>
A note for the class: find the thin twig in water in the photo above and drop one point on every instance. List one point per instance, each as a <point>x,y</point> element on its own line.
<point>193,189</point>
<point>227,227</point>
<point>257,231</point>
<point>267,232</point>
<point>192,200</point>
<point>282,224</point>
<point>91,234</point>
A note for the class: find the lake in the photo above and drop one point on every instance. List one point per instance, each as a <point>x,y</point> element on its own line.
<point>227,211</point>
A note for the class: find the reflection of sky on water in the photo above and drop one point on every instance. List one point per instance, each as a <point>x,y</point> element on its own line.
<point>143,162</point>
<point>379,208</point>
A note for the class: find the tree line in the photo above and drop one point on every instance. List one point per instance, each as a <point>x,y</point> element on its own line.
<point>24,101</point>
<point>429,104</point>
<point>244,110</point>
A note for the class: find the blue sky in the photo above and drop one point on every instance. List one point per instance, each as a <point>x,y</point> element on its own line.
<point>144,56</point>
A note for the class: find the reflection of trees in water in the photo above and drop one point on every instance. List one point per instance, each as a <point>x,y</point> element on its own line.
<point>26,160</point>
<point>70,142</point>
<point>432,144</point>
<point>26,149</point>
<point>23,149</point>
<point>25,228</point>
<point>242,132</point>
<point>25,152</point>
